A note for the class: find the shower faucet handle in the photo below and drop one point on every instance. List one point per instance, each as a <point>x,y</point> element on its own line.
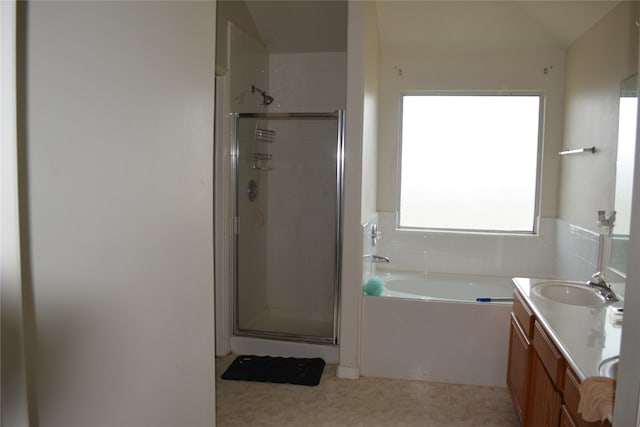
<point>375,234</point>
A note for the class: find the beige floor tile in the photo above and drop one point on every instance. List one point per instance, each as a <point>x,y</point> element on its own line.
<point>370,402</point>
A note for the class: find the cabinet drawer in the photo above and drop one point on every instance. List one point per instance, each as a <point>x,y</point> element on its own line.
<point>572,399</point>
<point>549,355</point>
<point>523,313</point>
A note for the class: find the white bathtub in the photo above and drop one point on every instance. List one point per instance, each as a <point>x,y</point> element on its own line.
<point>430,328</point>
<point>446,287</point>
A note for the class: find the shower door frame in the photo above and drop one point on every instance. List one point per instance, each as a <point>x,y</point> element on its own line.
<point>339,116</point>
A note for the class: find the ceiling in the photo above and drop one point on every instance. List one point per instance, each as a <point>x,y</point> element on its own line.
<point>301,25</point>
<point>486,25</point>
<point>321,25</point>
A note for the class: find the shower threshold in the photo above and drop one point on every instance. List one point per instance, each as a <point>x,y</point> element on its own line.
<point>262,346</point>
<point>288,326</point>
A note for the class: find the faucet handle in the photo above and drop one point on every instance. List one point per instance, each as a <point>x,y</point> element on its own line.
<point>376,234</point>
<point>597,278</point>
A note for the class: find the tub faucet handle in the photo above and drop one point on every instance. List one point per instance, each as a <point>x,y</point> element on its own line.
<point>376,234</point>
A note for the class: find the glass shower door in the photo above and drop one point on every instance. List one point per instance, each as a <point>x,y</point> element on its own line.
<point>288,170</point>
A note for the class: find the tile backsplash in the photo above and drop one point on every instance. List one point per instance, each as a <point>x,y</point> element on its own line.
<point>368,267</point>
<point>558,250</point>
<point>578,252</point>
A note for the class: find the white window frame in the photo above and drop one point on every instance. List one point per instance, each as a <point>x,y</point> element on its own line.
<point>536,214</point>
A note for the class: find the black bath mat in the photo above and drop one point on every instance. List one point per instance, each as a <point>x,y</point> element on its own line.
<point>291,370</point>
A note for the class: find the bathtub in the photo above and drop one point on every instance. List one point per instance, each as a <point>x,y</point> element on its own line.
<point>429,327</point>
<point>446,287</point>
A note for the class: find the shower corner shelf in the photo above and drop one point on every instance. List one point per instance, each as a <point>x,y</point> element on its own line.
<point>259,159</point>
<point>261,168</point>
<point>265,135</point>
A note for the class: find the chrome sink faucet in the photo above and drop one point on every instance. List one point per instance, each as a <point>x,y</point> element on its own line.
<point>597,281</point>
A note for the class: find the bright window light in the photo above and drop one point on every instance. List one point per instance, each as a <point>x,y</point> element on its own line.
<point>469,162</point>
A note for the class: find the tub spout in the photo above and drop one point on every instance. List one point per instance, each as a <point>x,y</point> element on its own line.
<point>377,258</point>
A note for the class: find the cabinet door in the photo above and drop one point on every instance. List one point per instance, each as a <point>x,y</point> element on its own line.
<point>546,401</point>
<point>565,418</point>
<point>518,369</point>
<point>571,396</point>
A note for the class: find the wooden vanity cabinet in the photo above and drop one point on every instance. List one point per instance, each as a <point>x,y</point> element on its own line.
<point>543,388</point>
<point>547,374</point>
<point>565,418</point>
<point>520,352</point>
<point>571,397</point>
<point>523,314</point>
<point>520,356</point>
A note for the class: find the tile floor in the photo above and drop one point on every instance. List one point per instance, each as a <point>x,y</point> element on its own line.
<point>371,402</point>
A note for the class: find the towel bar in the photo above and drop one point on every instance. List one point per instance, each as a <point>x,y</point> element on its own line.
<point>577,151</point>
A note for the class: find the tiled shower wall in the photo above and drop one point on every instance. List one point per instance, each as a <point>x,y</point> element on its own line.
<point>301,214</point>
<point>300,254</point>
<point>560,250</point>
<point>248,65</point>
<point>308,82</point>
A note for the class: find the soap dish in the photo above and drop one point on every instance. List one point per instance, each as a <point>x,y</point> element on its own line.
<point>615,313</point>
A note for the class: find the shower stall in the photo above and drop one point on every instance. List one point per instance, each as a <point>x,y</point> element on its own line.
<point>288,173</point>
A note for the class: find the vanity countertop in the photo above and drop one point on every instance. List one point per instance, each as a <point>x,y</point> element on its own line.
<point>584,335</point>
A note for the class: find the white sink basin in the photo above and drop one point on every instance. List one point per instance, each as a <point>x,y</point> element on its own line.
<point>568,293</point>
<point>609,367</point>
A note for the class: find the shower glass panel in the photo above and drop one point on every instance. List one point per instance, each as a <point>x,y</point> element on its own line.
<point>288,199</point>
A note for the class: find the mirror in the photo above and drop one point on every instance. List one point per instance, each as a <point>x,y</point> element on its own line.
<point>624,174</point>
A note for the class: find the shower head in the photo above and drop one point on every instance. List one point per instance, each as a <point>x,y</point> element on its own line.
<point>266,99</point>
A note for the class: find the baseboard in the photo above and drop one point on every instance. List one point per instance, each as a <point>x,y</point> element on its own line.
<point>348,373</point>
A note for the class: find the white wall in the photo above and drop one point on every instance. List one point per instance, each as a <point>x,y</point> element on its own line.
<point>460,71</point>
<point>351,291</point>
<point>119,131</point>
<point>596,65</point>
<point>627,407</point>
<point>361,121</point>
<point>371,107</point>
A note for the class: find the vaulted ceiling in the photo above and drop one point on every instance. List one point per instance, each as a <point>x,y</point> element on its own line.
<point>486,25</point>
<point>321,25</point>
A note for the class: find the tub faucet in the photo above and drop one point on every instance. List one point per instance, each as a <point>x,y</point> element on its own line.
<point>597,281</point>
<point>377,258</point>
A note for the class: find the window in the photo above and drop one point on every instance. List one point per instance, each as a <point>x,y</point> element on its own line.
<point>470,162</point>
